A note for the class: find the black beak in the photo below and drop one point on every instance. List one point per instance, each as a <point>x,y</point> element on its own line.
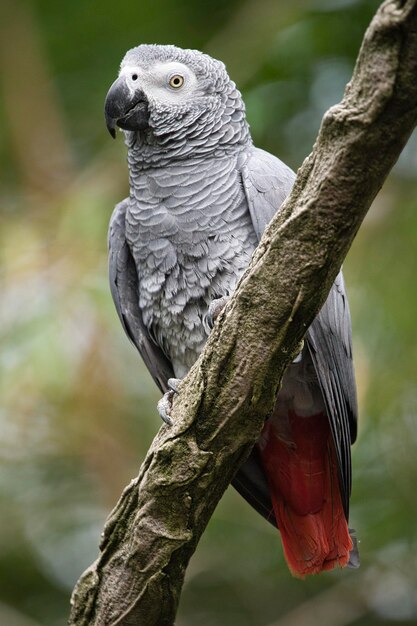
<point>125,109</point>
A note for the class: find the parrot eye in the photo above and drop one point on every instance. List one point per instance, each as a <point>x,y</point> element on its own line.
<point>176,81</point>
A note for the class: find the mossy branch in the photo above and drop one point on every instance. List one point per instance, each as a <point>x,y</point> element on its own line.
<point>219,412</point>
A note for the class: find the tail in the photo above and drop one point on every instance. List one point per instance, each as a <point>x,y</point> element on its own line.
<point>303,480</point>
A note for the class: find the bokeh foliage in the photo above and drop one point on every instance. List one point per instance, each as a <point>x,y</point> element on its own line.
<point>77,406</point>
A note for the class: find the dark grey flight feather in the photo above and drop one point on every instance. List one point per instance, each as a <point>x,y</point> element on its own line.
<point>329,342</point>
<point>267,182</point>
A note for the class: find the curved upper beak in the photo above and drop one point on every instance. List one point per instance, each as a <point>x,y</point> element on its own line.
<point>124,108</point>
<point>115,104</point>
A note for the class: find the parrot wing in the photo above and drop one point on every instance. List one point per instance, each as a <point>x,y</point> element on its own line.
<point>267,182</point>
<point>329,342</point>
<point>124,285</point>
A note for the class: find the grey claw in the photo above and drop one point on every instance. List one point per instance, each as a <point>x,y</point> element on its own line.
<point>210,321</point>
<point>214,310</point>
<point>173,384</point>
<point>164,407</point>
<point>299,356</point>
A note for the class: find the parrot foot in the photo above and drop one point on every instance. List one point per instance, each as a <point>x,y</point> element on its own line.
<point>215,308</point>
<point>173,384</point>
<point>164,405</point>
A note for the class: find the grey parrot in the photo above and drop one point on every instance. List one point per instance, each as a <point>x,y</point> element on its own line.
<point>200,197</point>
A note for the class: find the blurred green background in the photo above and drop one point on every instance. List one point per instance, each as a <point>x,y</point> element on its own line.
<point>77,406</point>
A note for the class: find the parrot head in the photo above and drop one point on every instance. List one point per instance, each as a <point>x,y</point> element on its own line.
<point>166,92</point>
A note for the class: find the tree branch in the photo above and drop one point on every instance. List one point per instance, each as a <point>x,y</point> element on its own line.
<point>219,412</point>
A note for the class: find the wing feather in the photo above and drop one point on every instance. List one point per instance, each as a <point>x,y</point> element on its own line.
<point>124,285</point>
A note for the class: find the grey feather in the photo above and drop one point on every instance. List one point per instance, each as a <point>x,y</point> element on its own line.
<point>124,288</point>
<point>330,345</point>
<point>267,182</point>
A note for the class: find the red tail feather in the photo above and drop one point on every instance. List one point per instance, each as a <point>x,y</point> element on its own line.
<point>303,482</point>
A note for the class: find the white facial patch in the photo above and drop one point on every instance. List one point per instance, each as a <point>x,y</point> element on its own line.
<point>155,81</point>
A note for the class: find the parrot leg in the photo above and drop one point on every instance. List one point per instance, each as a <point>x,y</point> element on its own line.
<point>164,405</point>
<point>215,308</point>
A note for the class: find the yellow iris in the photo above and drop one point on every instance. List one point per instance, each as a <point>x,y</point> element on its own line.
<point>176,81</point>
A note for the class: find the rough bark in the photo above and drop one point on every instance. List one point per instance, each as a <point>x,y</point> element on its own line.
<point>219,412</point>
